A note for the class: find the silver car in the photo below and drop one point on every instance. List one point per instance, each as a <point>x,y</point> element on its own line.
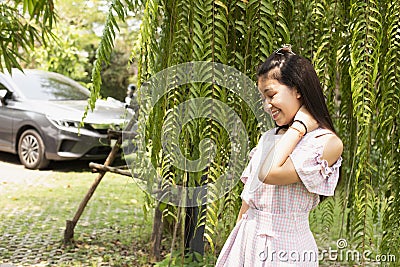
<point>40,116</point>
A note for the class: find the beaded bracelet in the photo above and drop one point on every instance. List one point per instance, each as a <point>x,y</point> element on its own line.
<point>305,127</point>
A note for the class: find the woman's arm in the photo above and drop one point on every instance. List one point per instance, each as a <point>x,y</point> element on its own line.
<point>278,168</point>
<point>286,174</point>
<point>242,210</point>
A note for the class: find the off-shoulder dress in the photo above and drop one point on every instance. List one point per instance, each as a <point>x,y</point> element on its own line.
<point>275,229</point>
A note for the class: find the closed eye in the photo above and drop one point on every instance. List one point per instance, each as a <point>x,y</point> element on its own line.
<point>270,96</point>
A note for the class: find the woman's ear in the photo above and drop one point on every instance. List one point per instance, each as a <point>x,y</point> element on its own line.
<point>298,94</point>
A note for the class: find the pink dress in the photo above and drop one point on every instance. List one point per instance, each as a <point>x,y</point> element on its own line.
<point>275,230</point>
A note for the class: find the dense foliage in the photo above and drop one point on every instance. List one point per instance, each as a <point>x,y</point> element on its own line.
<point>23,23</point>
<point>355,47</point>
<point>57,36</point>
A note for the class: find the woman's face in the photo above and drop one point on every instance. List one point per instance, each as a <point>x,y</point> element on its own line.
<point>279,100</point>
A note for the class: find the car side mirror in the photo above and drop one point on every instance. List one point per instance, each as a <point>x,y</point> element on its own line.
<point>4,95</point>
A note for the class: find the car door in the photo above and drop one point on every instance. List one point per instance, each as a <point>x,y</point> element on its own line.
<point>7,113</point>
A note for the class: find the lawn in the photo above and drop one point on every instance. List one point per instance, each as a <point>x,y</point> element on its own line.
<point>112,231</point>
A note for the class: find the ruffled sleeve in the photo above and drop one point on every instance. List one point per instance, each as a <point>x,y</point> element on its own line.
<point>314,172</point>
<point>246,173</point>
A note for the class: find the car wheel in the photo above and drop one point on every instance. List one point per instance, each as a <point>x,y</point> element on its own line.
<point>31,150</point>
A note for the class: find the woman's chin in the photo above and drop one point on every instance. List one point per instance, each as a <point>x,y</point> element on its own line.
<point>284,121</point>
<point>281,123</point>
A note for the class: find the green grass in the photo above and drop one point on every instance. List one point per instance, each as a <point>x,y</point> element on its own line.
<point>112,231</point>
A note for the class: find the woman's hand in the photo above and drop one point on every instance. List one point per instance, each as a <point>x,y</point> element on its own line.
<point>242,210</point>
<point>305,116</point>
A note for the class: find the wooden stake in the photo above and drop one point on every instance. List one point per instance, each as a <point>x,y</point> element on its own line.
<point>69,230</point>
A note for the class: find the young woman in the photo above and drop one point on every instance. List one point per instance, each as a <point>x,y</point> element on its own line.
<point>291,169</point>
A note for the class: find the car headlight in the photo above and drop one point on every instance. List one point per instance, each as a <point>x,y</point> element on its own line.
<point>64,123</point>
<point>98,127</point>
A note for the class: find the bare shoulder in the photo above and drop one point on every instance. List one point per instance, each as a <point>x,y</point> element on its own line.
<point>333,148</point>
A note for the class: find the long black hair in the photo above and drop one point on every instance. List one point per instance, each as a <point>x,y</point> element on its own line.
<point>298,73</point>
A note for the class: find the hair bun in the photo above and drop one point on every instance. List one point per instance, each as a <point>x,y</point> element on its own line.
<point>285,49</point>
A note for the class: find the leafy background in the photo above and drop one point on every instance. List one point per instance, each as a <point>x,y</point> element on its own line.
<point>354,47</point>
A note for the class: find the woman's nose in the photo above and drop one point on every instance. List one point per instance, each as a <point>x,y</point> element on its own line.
<point>267,103</point>
<point>267,106</point>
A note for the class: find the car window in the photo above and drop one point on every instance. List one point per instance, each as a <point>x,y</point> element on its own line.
<point>43,86</point>
<point>3,87</point>
<point>4,92</point>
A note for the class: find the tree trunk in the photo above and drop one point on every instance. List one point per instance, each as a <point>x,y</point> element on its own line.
<point>156,234</point>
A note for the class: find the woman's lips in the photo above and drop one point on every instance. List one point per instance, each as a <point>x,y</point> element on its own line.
<point>275,113</point>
